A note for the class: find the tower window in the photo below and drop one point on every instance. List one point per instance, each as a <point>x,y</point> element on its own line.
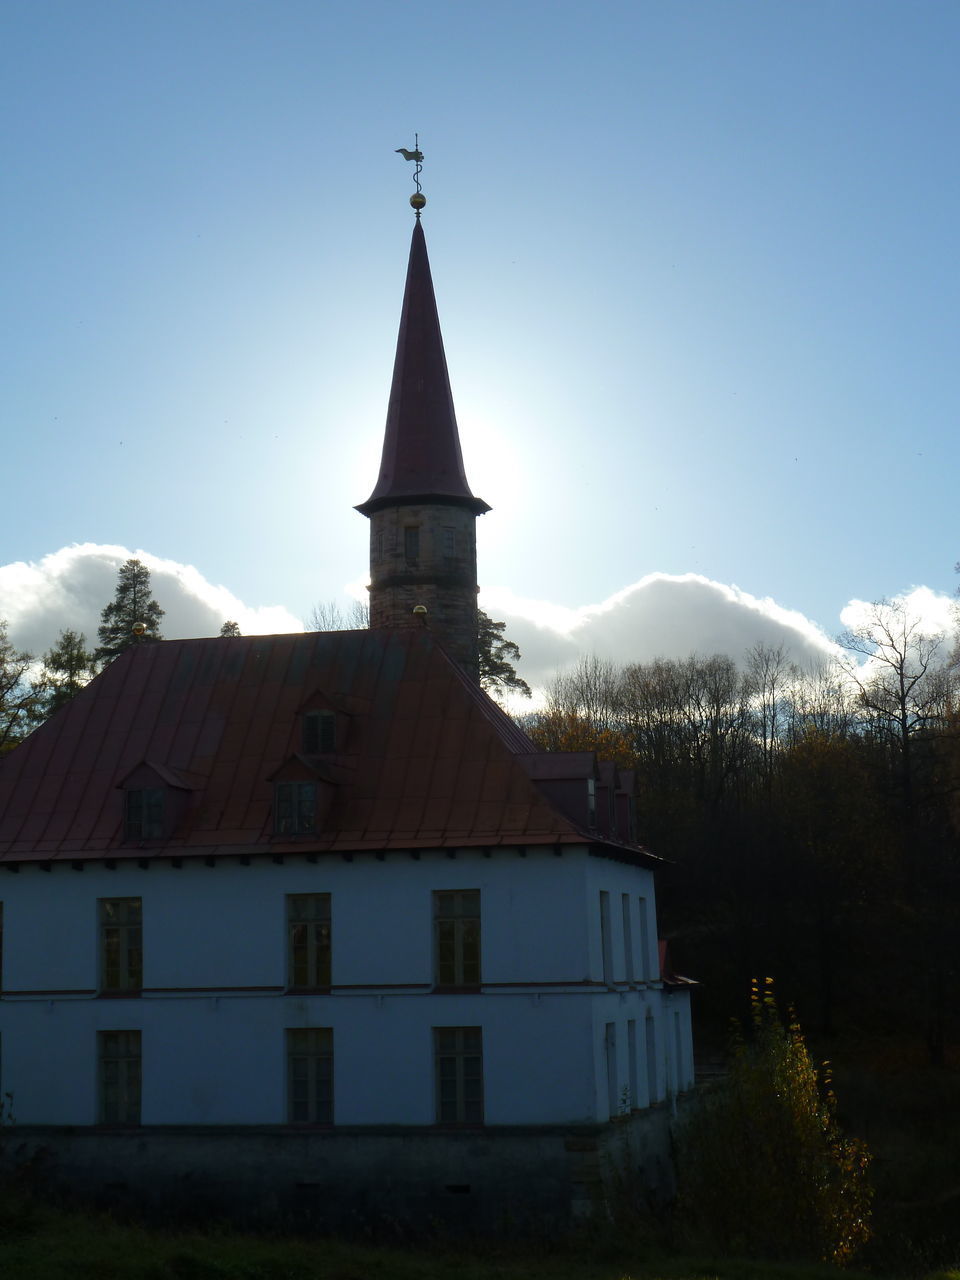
<point>449,542</point>
<point>378,546</point>
<point>411,544</point>
<point>319,732</point>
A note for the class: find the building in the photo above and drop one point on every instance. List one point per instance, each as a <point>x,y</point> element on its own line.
<point>307,920</point>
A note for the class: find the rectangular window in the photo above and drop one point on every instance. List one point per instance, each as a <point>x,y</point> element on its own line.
<point>296,808</point>
<point>646,972</point>
<point>319,732</point>
<point>627,935</point>
<point>458,1058</point>
<point>456,938</point>
<point>610,1056</point>
<point>144,813</point>
<point>448,542</point>
<point>411,544</point>
<point>308,940</point>
<point>606,942</point>
<point>591,803</point>
<point>310,1075</point>
<point>378,546</point>
<point>121,945</point>
<point>119,1053</point>
<point>650,1036</point>
<point>633,1067</point>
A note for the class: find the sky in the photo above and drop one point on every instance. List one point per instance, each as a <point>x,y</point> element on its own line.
<point>697,271</point>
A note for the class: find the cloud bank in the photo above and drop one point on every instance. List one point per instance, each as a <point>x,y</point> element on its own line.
<point>69,588</point>
<point>661,615</point>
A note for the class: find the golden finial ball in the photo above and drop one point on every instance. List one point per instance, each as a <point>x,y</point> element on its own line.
<point>417,201</point>
<point>139,628</point>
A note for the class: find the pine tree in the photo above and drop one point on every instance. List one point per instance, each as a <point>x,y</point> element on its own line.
<point>67,667</point>
<point>133,617</point>
<point>497,655</point>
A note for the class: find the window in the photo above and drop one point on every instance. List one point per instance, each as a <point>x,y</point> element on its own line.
<point>310,1075</point>
<point>121,945</point>
<point>448,542</point>
<point>411,544</point>
<point>610,1057</point>
<point>633,1065</point>
<point>319,732</point>
<point>606,947</point>
<point>378,546</point>
<point>591,803</point>
<point>1,948</point>
<point>645,969</point>
<point>296,808</point>
<point>627,935</point>
<point>144,813</point>
<point>308,940</point>
<point>456,934</point>
<point>458,1055</point>
<point>119,1053</point>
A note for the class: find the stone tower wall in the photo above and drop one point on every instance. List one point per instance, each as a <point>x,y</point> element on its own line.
<point>427,555</point>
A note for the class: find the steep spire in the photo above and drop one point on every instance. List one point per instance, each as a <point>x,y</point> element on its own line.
<point>421,459</point>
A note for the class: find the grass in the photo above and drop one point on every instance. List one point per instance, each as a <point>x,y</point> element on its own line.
<point>43,1244</point>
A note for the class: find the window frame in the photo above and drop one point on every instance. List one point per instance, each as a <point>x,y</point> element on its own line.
<point>458,1061</point>
<point>144,813</point>
<point>312,1048</point>
<point>457,940</point>
<point>123,935</point>
<point>309,928</point>
<point>126,1113</point>
<point>319,733</point>
<point>302,817</point>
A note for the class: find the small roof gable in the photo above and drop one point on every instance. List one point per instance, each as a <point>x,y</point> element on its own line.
<point>430,762</point>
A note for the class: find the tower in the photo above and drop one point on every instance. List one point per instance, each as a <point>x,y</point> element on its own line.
<point>423,549</point>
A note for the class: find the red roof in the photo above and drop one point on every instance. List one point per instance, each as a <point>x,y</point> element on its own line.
<point>424,758</point>
<point>421,459</point>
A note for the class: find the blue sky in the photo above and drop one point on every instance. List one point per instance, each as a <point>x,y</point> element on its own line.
<point>696,266</point>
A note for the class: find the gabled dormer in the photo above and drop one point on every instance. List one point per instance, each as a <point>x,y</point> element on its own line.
<point>569,780</point>
<point>155,798</point>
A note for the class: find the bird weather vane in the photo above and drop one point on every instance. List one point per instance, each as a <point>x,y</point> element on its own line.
<point>418,199</point>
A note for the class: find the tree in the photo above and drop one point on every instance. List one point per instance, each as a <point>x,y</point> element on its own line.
<point>497,655</point>
<point>327,615</point>
<point>763,1166</point>
<point>67,667</point>
<point>230,629</point>
<point>133,616</point>
<point>18,698</point>
<point>904,687</point>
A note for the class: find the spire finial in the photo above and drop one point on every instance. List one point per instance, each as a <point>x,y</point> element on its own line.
<point>418,199</point>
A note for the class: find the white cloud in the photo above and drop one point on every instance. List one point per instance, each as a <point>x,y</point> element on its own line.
<point>934,612</point>
<point>662,615</point>
<point>69,587</point>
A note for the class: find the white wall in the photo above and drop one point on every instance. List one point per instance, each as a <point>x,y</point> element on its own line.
<point>213,1046</point>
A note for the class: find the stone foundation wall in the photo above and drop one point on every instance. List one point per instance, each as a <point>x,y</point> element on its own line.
<point>510,1179</point>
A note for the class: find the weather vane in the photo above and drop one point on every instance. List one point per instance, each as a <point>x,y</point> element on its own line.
<point>418,199</point>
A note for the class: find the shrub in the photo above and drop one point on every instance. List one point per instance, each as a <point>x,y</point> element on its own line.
<point>762,1165</point>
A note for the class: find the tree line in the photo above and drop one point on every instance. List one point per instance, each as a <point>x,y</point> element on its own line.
<point>809,819</point>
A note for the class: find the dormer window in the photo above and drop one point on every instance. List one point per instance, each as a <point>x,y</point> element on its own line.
<point>591,803</point>
<point>295,808</point>
<point>319,732</point>
<point>144,813</point>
